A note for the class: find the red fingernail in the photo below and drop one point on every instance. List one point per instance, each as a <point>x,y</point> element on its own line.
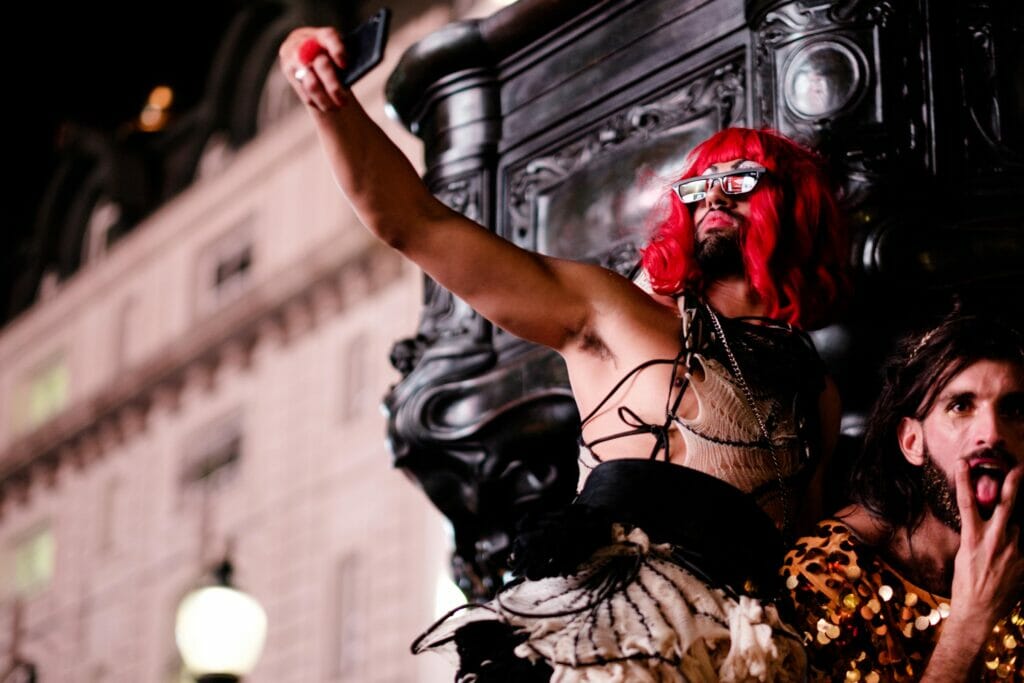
<point>310,50</point>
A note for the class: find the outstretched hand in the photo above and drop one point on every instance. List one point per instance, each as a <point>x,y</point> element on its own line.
<point>310,58</point>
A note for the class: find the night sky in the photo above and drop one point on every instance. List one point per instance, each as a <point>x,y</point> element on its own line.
<point>94,64</point>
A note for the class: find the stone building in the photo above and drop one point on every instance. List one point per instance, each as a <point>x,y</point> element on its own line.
<point>206,386</point>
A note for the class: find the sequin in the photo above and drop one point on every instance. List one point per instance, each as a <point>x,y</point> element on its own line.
<point>856,635</point>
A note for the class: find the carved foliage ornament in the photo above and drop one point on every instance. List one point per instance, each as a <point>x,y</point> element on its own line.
<point>720,90</point>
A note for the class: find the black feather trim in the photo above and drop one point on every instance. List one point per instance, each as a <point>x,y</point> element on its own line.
<point>557,543</point>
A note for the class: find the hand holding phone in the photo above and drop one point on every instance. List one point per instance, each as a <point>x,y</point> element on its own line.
<point>364,47</point>
<point>319,82</point>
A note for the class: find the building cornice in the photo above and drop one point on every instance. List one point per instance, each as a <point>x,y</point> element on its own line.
<point>281,307</point>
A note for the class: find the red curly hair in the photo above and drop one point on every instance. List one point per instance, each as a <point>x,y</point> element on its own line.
<point>795,250</point>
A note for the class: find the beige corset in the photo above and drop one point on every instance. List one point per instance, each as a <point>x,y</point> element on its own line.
<point>725,440</point>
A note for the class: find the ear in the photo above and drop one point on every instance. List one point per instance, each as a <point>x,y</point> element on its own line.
<point>910,435</point>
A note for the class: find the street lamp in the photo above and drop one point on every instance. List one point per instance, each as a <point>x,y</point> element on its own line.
<point>220,630</point>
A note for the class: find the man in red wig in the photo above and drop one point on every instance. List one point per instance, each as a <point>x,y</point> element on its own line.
<point>707,410</point>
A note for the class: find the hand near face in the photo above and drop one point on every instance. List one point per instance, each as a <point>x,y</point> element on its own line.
<point>988,574</point>
<point>310,58</point>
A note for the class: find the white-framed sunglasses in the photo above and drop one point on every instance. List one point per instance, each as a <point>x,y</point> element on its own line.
<point>740,181</point>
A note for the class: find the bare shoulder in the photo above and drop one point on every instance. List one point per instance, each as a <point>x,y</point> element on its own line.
<point>866,527</point>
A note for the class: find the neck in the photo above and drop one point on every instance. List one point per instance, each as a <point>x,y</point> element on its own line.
<point>926,554</point>
<point>733,297</point>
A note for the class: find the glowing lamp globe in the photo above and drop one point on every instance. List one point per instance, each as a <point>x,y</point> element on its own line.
<point>220,632</point>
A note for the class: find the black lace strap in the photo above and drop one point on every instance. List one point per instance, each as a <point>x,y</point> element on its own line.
<point>629,417</point>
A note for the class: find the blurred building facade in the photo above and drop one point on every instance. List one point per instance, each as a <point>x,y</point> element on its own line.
<point>207,386</point>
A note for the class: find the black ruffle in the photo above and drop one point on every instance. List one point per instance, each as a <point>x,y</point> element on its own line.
<point>720,533</point>
<point>556,543</point>
<point>485,651</point>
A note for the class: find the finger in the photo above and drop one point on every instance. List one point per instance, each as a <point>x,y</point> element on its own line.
<point>291,65</point>
<point>328,76</point>
<point>970,520</point>
<point>1008,496</point>
<point>332,42</point>
<point>315,86</point>
<point>313,89</point>
<point>297,86</point>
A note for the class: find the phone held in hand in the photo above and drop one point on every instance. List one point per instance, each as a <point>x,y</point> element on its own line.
<point>364,47</point>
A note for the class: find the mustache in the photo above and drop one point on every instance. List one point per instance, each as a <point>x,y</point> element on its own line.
<point>997,452</point>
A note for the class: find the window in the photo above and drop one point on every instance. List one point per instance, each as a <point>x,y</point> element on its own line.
<point>350,627</point>
<point>212,454</point>
<point>28,563</point>
<point>225,267</point>
<point>42,394</point>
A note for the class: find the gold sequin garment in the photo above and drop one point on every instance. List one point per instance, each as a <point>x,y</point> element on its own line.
<point>862,621</point>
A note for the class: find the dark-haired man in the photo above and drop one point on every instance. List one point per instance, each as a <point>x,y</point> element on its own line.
<point>922,578</point>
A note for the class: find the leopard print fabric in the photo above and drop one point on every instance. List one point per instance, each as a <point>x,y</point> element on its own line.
<point>862,621</point>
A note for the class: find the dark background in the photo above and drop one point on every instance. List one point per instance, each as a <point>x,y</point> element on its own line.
<point>92,64</point>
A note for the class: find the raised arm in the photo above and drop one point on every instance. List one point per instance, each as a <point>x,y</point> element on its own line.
<point>542,299</point>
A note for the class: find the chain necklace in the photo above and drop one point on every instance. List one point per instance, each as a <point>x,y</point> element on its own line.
<point>749,395</point>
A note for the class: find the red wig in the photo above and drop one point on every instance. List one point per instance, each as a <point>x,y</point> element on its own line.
<point>794,249</point>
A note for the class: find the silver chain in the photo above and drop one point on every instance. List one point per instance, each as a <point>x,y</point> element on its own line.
<point>783,489</point>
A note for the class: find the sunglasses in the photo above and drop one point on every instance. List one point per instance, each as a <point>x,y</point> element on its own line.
<point>736,182</point>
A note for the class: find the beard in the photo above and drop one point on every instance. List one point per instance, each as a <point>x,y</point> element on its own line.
<point>939,489</point>
<point>718,255</point>
<point>939,493</point>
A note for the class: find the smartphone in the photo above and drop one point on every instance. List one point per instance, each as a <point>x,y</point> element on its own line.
<point>364,47</point>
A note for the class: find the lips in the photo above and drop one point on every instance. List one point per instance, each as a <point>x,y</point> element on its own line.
<point>718,219</point>
<point>987,476</point>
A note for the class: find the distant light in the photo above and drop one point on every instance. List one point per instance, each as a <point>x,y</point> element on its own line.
<point>152,120</point>
<point>161,97</point>
<point>155,114</point>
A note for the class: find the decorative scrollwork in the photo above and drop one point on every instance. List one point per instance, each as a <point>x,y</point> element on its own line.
<point>720,89</point>
<point>797,19</point>
<point>986,80</point>
<point>462,195</point>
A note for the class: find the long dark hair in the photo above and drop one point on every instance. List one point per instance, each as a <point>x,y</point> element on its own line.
<point>881,478</point>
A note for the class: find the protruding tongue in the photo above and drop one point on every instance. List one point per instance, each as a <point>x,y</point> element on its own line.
<point>986,490</point>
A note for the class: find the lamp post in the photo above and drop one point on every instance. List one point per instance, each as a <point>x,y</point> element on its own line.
<point>220,630</point>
